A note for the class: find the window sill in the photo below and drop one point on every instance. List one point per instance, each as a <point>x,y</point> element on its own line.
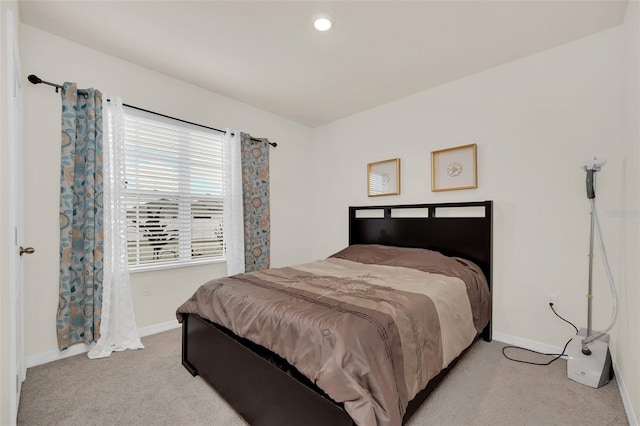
<point>151,268</point>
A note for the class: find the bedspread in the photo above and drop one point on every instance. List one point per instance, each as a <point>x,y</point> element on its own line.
<point>370,336</point>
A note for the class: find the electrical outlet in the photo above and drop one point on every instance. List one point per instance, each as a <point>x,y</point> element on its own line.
<point>551,298</point>
<point>146,290</point>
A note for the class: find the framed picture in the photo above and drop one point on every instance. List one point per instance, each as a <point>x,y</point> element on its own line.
<point>383,178</point>
<point>454,168</point>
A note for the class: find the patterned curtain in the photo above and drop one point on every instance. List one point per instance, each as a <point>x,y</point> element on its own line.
<point>255,189</point>
<point>81,218</point>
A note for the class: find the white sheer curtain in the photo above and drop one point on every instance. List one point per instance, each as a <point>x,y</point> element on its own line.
<point>233,219</point>
<point>118,330</point>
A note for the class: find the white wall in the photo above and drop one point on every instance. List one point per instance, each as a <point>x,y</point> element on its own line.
<point>627,332</point>
<point>534,120</point>
<point>58,60</point>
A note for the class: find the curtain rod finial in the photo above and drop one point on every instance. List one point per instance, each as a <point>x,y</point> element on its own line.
<point>34,79</point>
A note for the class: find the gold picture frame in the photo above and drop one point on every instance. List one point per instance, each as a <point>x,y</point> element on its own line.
<point>454,168</point>
<point>383,178</point>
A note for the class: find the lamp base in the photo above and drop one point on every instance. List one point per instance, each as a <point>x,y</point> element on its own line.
<point>592,370</point>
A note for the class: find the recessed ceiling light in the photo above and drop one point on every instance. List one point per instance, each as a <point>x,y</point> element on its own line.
<point>322,24</point>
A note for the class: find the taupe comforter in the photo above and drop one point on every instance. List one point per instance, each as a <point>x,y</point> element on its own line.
<point>370,325</point>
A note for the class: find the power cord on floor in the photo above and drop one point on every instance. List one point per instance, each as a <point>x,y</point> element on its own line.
<point>557,356</point>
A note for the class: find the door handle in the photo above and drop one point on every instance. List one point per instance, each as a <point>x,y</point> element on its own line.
<point>28,250</point>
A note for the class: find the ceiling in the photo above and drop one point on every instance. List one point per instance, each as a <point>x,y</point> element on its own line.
<point>267,54</point>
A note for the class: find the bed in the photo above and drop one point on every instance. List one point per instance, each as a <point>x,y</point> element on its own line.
<point>267,389</point>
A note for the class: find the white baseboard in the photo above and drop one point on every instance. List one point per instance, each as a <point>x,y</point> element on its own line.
<point>526,343</point>
<point>626,400</point>
<point>546,348</point>
<point>55,355</point>
<point>158,328</point>
<point>50,356</point>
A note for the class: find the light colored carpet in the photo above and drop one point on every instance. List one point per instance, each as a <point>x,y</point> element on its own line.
<point>150,386</point>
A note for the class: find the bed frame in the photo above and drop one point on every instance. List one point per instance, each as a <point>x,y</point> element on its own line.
<point>263,387</point>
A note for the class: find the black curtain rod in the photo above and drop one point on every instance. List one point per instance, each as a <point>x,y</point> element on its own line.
<point>37,80</point>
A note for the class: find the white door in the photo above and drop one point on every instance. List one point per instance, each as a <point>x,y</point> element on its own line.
<point>17,367</point>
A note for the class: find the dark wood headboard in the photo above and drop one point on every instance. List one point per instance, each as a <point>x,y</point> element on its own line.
<point>452,232</point>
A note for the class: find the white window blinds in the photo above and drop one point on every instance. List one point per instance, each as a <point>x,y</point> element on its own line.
<point>174,191</point>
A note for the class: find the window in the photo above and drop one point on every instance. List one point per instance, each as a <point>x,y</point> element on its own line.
<point>174,191</point>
